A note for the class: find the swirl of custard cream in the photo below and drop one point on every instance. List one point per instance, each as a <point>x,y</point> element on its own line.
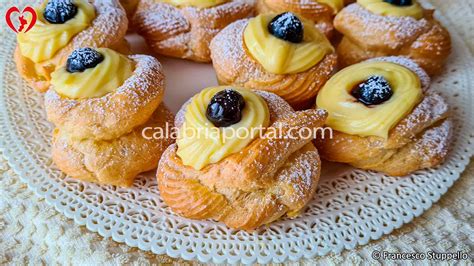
<point>196,3</point>
<point>383,8</point>
<point>201,143</point>
<point>45,39</point>
<point>282,57</point>
<point>104,78</point>
<point>348,115</point>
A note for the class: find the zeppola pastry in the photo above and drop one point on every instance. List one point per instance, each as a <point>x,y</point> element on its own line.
<point>185,28</point>
<point>282,54</point>
<point>384,117</point>
<point>374,28</point>
<point>321,12</point>
<point>63,26</point>
<point>100,102</point>
<point>245,179</point>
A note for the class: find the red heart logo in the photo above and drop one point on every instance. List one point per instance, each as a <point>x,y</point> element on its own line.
<point>22,21</point>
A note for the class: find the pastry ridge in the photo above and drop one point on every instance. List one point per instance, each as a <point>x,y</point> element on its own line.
<point>367,35</point>
<point>320,14</point>
<point>186,32</point>
<point>420,140</point>
<point>112,162</point>
<point>103,139</point>
<point>130,105</point>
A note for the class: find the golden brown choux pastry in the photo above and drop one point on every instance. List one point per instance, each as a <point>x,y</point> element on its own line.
<point>409,131</point>
<point>321,12</point>
<point>235,64</point>
<point>130,6</point>
<point>113,114</point>
<point>368,34</point>
<point>273,175</point>
<point>101,103</point>
<point>112,162</point>
<point>100,24</point>
<point>185,30</point>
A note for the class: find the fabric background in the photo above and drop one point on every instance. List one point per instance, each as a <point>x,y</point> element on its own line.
<point>32,232</point>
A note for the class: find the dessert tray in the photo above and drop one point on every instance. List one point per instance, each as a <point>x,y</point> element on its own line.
<point>351,207</point>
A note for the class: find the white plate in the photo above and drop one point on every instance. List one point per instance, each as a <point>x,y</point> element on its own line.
<point>351,207</point>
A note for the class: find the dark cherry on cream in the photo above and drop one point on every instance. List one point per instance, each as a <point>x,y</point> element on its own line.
<point>82,59</point>
<point>374,90</point>
<point>59,11</point>
<point>225,108</point>
<point>287,26</point>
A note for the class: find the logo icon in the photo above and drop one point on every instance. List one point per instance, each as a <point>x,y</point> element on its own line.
<point>23,25</point>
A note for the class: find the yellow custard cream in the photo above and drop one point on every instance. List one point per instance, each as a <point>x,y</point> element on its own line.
<point>104,78</point>
<point>382,8</point>
<point>196,3</point>
<point>201,143</point>
<point>282,57</point>
<point>45,39</point>
<point>348,115</point>
<point>336,5</point>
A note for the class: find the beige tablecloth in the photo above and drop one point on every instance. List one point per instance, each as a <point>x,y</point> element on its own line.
<point>33,232</point>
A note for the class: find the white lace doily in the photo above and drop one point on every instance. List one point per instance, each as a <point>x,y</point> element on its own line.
<point>351,207</point>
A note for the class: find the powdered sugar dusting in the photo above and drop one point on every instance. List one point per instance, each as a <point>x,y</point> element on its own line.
<point>432,109</point>
<point>229,43</point>
<point>108,28</point>
<point>234,65</point>
<point>186,32</point>
<point>160,17</point>
<point>142,84</point>
<point>300,178</point>
<point>59,11</point>
<point>410,64</point>
<point>435,141</point>
<point>375,30</point>
<point>83,58</point>
<point>140,87</point>
<point>279,171</point>
<point>179,118</point>
<point>131,103</point>
<point>277,106</point>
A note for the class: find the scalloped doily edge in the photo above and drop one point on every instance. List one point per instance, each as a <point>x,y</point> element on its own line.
<point>9,156</point>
